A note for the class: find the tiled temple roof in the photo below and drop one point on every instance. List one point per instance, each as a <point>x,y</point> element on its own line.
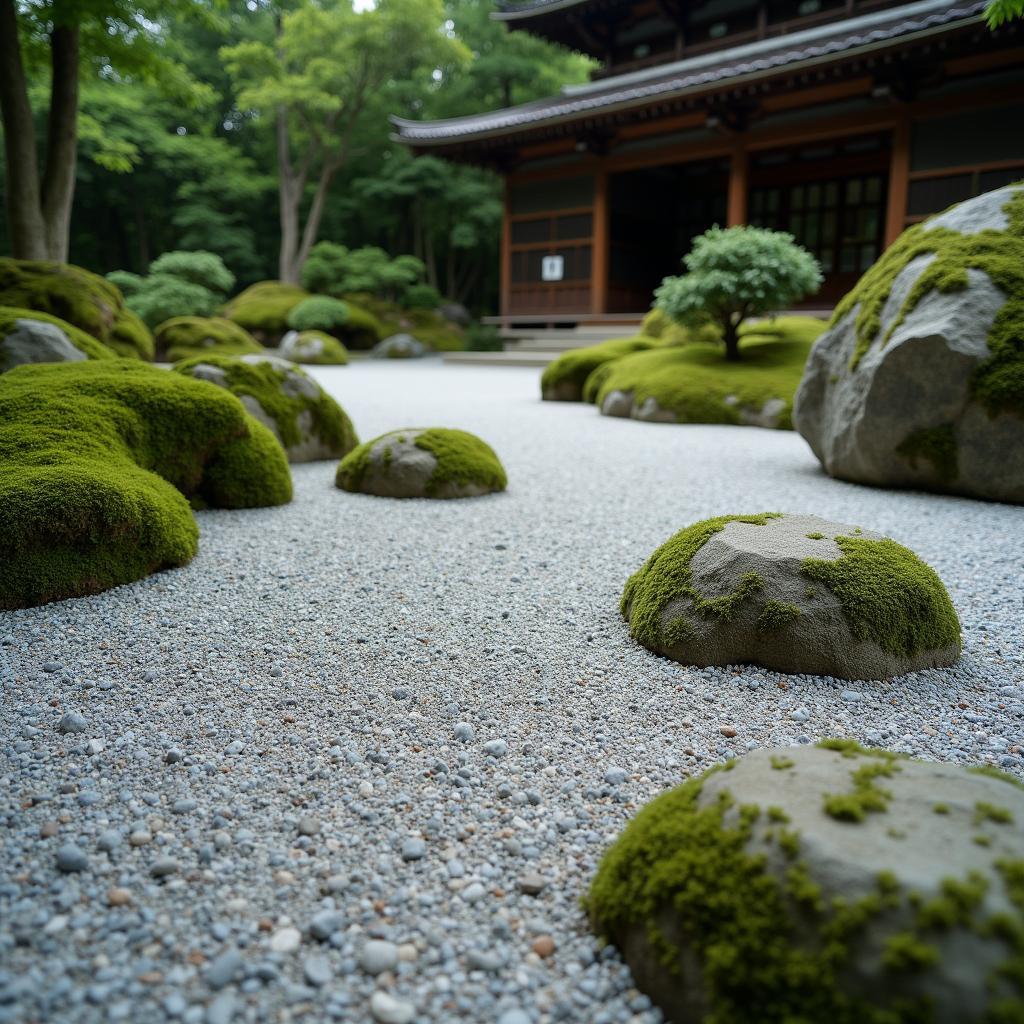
<point>821,44</point>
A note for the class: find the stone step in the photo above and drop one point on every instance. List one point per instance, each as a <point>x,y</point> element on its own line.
<point>499,358</point>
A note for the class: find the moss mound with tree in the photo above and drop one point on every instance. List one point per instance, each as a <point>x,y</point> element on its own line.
<point>793,593</point>
<point>263,308</point>
<point>27,336</point>
<point>79,297</point>
<point>423,463</point>
<point>823,884</point>
<point>695,383</point>
<point>356,327</point>
<point>101,461</point>
<point>316,348</point>
<point>184,337</point>
<point>735,274</point>
<point>303,417</point>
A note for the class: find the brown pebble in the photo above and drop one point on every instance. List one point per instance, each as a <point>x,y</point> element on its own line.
<point>119,897</point>
<point>50,828</point>
<point>544,946</point>
<point>727,730</point>
<point>266,925</point>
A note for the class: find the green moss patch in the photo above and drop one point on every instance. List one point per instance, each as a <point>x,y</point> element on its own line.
<point>889,596</point>
<point>936,445</point>
<point>82,299</point>
<point>698,385</point>
<point>268,383</point>
<point>564,379</point>
<point>998,383</point>
<point>263,308</point>
<point>101,460</point>
<point>85,343</point>
<point>667,577</point>
<point>776,615</point>
<point>184,337</point>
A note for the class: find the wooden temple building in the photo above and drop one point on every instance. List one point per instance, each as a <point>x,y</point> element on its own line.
<point>840,121</point>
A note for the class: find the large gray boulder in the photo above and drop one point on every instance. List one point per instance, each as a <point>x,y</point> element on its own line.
<point>29,337</point>
<point>422,463</point>
<point>918,381</point>
<point>794,593</point>
<point>823,885</point>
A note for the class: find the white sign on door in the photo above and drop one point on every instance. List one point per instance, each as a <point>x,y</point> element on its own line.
<point>552,268</point>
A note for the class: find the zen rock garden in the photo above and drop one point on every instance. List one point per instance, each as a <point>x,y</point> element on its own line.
<point>360,662</point>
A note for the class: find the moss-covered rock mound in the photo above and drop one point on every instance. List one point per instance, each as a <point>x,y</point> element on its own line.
<point>423,463</point>
<point>309,423</point>
<point>830,884</point>
<point>101,459</point>
<point>263,308</point>
<point>185,337</point>
<point>919,381</point>
<point>793,593</point>
<point>563,380</point>
<point>82,299</point>
<point>694,383</point>
<point>30,337</point>
<point>314,348</point>
<point>399,346</point>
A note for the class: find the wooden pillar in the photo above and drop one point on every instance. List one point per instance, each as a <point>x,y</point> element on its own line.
<point>600,241</point>
<point>899,180</point>
<point>505,280</point>
<point>739,177</point>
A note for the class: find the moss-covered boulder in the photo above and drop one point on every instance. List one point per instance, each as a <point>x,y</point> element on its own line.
<point>422,463</point>
<point>919,381</point>
<point>399,346</point>
<point>313,347</point>
<point>185,337</point>
<point>694,383</point>
<point>563,380</point>
<point>101,459</point>
<point>82,299</point>
<point>829,884</point>
<point>793,593</point>
<point>302,416</point>
<point>30,337</point>
<point>263,308</point>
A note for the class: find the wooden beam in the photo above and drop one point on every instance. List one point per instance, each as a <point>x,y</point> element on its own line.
<point>599,250</point>
<point>899,177</point>
<point>739,174</point>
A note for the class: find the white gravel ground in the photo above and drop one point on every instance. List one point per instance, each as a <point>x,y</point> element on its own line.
<point>353,719</point>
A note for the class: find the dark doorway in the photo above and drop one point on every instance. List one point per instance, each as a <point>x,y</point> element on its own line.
<point>654,213</point>
<point>831,197</point>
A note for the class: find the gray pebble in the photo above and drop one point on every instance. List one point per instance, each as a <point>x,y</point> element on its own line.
<point>378,956</point>
<point>71,858</point>
<point>72,721</point>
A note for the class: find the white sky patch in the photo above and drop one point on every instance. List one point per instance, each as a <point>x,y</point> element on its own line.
<point>363,5</point>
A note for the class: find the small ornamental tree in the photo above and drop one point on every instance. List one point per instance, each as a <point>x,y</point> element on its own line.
<point>178,284</point>
<point>736,273</point>
<point>336,270</point>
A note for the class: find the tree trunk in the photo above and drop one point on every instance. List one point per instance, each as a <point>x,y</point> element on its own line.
<point>62,141</point>
<point>290,194</point>
<point>313,218</point>
<point>731,337</point>
<point>24,209</point>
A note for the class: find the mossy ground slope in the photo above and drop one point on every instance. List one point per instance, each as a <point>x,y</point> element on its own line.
<point>85,343</point>
<point>695,382</point>
<point>183,337</point>
<point>563,379</point>
<point>263,308</point>
<point>267,382</point>
<point>101,460</point>
<point>83,299</point>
